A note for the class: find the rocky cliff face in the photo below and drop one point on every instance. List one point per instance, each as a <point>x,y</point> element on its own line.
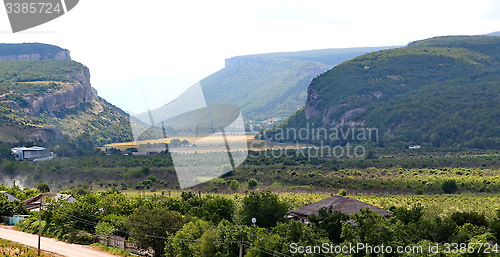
<point>77,93</point>
<point>61,55</point>
<point>327,116</point>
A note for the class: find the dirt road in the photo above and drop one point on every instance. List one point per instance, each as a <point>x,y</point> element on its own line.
<point>50,244</point>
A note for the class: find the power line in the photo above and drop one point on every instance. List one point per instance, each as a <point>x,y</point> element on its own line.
<point>248,244</point>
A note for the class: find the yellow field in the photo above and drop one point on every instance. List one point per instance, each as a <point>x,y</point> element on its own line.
<point>211,143</point>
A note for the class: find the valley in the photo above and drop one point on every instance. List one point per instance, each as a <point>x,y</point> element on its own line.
<point>412,130</point>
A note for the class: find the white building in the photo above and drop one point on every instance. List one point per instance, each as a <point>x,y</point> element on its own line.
<point>32,153</point>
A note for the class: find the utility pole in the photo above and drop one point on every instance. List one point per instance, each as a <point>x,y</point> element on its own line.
<point>40,225</point>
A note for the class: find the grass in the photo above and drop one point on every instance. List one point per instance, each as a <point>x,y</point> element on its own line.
<point>11,249</point>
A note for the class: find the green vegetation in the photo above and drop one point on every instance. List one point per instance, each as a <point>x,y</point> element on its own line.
<point>11,249</point>
<point>23,82</point>
<point>176,226</point>
<point>8,208</point>
<point>408,173</point>
<point>265,207</point>
<point>153,222</point>
<point>112,250</point>
<point>439,92</point>
<point>269,87</point>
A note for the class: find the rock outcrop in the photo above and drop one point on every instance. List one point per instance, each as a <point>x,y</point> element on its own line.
<point>78,93</point>
<point>61,55</point>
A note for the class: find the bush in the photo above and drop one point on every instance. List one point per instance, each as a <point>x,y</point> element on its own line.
<point>266,207</point>
<point>495,229</point>
<point>44,188</point>
<point>474,218</point>
<point>449,186</point>
<point>252,183</point>
<point>79,237</point>
<point>234,185</point>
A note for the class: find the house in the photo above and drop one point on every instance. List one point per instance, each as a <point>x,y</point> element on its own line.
<point>34,153</point>
<point>33,204</point>
<point>343,204</point>
<point>414,147</point>
<point>14,220</point>
<point>9,196</point>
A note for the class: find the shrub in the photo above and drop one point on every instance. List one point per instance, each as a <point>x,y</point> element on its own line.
<point>449,186</point>
<point>79,237</point>
<point>473,218</point>
<point>252,183</point>
<point>234,185</point>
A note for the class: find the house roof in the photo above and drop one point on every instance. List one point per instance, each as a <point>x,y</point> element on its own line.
<point>34,201</point>
<point>346,205</point>
<point>33,148</point>
<point>9,196</point>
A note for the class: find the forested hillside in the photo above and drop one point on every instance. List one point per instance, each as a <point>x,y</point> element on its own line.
<point>437,92</point>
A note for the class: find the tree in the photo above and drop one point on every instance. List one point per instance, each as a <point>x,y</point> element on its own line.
<point>214,209</point>
<point>11,208</point>
<point>266,207</point>
<point>371,155</point>
<point>188,244</point>
<point>329,221</point>
<point>145,170</point>
<point>408,216</point>
<point>252,183</point>
<point>449,186</point>
<point>43,188</point>
<point>234,185</point>
<point>495,227</point>
<point>151,227</point>
<point>473,218</point>
<point>370,228</point>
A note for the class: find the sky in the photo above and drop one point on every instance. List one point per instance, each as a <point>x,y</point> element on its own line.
<point>162,47</point>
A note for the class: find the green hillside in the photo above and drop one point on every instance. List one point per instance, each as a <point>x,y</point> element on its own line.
<point>52,101</point>
<point>441,91</point>
<point>494,34</point>
<point>266,87</point>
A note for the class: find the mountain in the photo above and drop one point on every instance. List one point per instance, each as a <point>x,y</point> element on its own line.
<point>266,87</point>
<point>494,34</point>
<point>46,97</point>
<point>443,91</point>
<point>32,51</point>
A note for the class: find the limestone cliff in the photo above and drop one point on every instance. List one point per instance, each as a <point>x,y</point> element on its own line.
<point>72,96</point>
<point>32,51</point>
<point>61,55</point>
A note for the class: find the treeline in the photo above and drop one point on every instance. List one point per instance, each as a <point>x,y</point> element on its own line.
<point>413,173</point>
<point>195,225</point>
